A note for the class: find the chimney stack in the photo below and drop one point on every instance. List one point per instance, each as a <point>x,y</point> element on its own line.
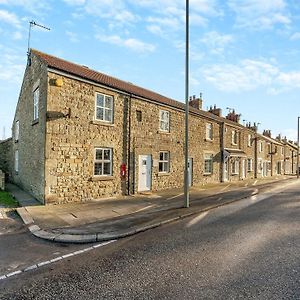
<point>267,133</point>
<point>196,102</point>
<point>216,111</point>
<point>234,117</point>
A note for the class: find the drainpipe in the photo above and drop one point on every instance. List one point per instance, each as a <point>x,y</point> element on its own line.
<point>222,167</point>
<point>255,157</point>
<point>271,159</point>
<point>292,162</point>
<point>129,145</point>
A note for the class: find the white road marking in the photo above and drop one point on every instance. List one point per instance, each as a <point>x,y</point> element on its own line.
<point>47,262</point>
<point>144,208</point>
<point>175,196</point>
<point>197,219</point>
<point>224,188</point>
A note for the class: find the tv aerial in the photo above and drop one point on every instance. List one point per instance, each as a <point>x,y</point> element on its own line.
<point>32,24</point>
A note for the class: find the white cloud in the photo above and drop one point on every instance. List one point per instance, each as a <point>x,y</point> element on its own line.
<point>17,35</point>
<point>169,15</point>
<point>130,43</point>
<point>72,36</point>
<point>216,42</point>
<point>116,11</point>
<point>251,75</point>
<point>9,18</point>
<point>290,79</point>
<point>11,66</point>
<point>295,36</point>
<point>248,75</point>
<point>75,2</point>
<point>36,7</point>
<point>258,14</point>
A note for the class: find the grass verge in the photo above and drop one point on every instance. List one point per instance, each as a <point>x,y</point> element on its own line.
<point>7,200</point>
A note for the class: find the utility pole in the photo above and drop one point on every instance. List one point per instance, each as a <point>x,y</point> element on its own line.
<point>186,169</point>
<point>298,148</point>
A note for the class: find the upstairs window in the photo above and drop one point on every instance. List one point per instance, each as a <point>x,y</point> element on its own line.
<point>164,121</point>
<point>104,108</point>
<point>234,137</point>
<point>17,130</point>
<point>164,162</point>
<point>36,96</point>
<point>261,147</point>
<point>209,131</point>
<point>249,140</point>
<point>103,162</point>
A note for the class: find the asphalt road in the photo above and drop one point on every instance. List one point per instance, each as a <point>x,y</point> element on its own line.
<point>19,249</point>
<point>245,250</point>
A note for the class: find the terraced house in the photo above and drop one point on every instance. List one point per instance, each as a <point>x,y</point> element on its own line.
<point>79,134</point>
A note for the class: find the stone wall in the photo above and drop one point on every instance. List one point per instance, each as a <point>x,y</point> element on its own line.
<point>6,158</point>
<point>31,142</point>
<point>72,134</point>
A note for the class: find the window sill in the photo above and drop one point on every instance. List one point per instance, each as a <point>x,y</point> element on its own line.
<point>164,174</point>
<point>234,174</point>
<point>34,122</point>
<point>102,178</point>
<point>207,174</point>
<point>102,123</point>
<point>164,132</point>
<point>208,140</point>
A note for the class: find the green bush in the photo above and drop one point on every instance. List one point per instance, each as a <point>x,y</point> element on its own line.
<point>7,200</point>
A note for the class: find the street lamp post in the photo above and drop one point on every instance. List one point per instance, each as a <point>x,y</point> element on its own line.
<point>186,171</point>
<point>298,148</point>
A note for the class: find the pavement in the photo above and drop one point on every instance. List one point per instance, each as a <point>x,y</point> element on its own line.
<point>114,218</point>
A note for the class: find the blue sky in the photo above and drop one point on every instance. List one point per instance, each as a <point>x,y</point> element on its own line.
<point>244,53</point>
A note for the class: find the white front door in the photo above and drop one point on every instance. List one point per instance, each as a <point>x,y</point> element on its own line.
<point>144,183</point>
<point>243,169</point>
<point>226,170</point>
<point>190,171</point>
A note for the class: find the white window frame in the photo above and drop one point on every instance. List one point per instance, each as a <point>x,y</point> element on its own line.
<point>249,140</point>
<point>107,109</point>
<point>164,162</point>
<point>260,165</point>
<point>17,161</point>
<point>260,146</point>
<point>208,163</point>
<point>234,137</point>
<point>164,120</point>
<point>36,96</point>
<point>249,164</point>
<point>209,131</point>
<point>103,161</point>
<point>17,130</point>
<point>235,167</point>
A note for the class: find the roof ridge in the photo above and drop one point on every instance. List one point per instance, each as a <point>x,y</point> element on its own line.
<point>41,54</point>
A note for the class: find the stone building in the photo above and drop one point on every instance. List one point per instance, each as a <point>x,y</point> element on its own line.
<point>79,134</point>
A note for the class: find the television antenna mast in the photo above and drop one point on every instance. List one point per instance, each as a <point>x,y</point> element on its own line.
<point>31,24</point>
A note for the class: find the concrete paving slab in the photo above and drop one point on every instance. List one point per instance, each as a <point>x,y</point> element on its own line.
<point>112,219</point>
<point>25,215</point>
